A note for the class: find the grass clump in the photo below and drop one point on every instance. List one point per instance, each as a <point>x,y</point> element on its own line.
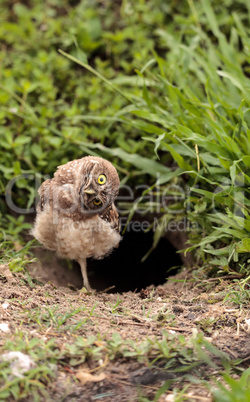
<point>234,390</point>
<point>179,113</point>
<point>162,91</point>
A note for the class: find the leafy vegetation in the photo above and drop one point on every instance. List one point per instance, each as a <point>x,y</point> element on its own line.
<point>162,90</point>
<point>164,95</point>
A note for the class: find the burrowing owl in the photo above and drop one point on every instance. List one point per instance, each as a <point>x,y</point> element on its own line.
<point>76,215</point>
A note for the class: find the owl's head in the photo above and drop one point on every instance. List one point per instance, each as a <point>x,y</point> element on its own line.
<point>99,185</point>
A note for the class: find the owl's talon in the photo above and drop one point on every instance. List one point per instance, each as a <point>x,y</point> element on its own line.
<point>88,291</point>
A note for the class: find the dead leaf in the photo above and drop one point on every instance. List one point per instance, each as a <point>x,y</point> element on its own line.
<point>99,343</point>
<point>84,377</point>
<point>5,271</point>
<point>246,326</point>
<point>17,246</point>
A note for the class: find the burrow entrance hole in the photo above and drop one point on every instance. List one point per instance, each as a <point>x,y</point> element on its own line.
<point>123,269</point>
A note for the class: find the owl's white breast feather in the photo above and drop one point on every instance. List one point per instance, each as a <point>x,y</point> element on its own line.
<point>92,237</point>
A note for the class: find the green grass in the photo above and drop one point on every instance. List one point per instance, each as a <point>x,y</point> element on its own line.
<point>235,390</point>
<point>159,88</point>
<point>164,94</point>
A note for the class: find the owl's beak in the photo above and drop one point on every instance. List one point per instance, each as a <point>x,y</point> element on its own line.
<point>89,191</point>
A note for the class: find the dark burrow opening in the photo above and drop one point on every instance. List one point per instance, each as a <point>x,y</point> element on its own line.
<point>124,268</point>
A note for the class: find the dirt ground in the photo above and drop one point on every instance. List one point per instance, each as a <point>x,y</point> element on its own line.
<point>188,305</point>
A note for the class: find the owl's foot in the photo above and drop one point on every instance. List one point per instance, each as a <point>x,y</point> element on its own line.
<point>89,291</point>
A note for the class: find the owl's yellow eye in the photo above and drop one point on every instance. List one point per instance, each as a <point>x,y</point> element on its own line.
<point>102,179</point>
<point>97,202</point>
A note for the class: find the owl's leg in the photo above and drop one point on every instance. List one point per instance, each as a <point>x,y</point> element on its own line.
<point>83,265</point>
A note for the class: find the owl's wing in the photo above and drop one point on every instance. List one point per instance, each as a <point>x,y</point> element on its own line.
<point>61,197</point>
<point>43,191</point>
<point>111,216</point>
<point>67,173</point>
